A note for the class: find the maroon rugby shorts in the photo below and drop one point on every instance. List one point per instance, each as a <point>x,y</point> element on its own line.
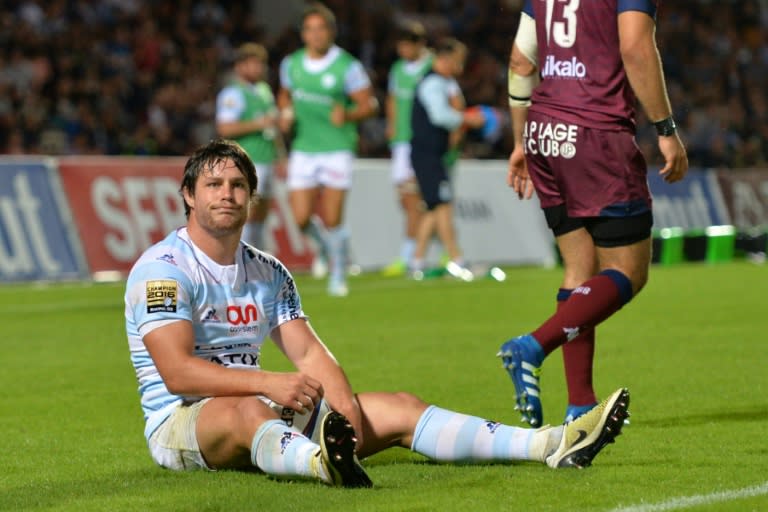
<point>594,172</point>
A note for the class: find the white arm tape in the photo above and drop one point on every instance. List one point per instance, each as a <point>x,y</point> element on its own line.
<point>525,39</point>
<point>521,87</point>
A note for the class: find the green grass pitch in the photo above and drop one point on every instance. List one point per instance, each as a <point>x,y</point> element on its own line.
<point>691,348</point>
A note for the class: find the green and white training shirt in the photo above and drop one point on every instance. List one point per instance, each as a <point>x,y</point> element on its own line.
<point>316,85</point>
<point>241,101</point>
<point>404,76</point>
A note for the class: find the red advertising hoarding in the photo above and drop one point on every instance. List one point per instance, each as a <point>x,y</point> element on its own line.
<point>122,205</point>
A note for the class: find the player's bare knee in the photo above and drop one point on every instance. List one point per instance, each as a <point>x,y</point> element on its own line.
<point>251,409</point>
<point>237,417</point>
<point>408,188</point>
<point>409,402</point>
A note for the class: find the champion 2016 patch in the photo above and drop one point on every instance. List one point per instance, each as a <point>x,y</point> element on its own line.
<point>161,296</point>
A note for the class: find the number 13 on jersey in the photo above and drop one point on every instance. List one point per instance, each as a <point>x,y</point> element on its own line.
<point>563,32</point>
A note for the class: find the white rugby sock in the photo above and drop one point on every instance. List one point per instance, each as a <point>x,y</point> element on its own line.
<point>319,236</point>
<point>338,251</point>
<point>407,250</point>
<point>449,436</point>
<point>280,450</point>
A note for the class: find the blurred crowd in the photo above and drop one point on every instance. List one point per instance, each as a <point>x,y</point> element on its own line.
<point>140,77</point>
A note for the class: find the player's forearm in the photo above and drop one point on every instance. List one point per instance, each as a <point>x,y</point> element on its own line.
<point>362,109</point>
<point>337,391</point>
<point>390,110</point>
<point>390,114</point>
<point>280,147</point>
<point>284,99</point>
<point>197,377</point>
<point>285,106</point>
<point>647,81</point>
<point>518,116</point>
<point>456,137</point>
<point>320,364</point>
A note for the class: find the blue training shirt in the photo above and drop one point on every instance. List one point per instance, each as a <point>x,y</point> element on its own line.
<point>432,117</point>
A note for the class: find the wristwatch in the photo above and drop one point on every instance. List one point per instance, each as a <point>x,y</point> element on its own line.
<point>665,127</point>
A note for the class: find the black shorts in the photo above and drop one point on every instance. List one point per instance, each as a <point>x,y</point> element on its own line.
<point>433,179</point>
<point>605,231</point>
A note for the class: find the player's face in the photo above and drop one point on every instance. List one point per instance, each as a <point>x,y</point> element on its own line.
<point>458,58</point>
<point>316,34</point>
<point>251,69</point>
<point>409,50</point>
<point>221,200</point>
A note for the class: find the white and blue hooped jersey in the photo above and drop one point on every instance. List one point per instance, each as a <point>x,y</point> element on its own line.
<point>233,308</point>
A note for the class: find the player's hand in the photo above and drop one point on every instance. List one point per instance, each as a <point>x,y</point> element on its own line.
<point>294,390</point>
<point>517,175</point>
<point>675,158</point>
<point>474,118</point>
<point>338,114</point>
<point>268,121</point>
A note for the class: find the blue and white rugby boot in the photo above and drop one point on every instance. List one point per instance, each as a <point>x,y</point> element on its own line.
<point>573,412</point>
<point>522,358</point>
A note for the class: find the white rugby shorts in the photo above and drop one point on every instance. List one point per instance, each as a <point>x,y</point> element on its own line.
<point>402,170</point>
<point>174,444</point>
<point>311,170</point>
<point>265,174</point>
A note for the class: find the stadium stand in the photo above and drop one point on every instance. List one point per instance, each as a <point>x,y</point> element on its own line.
<point>139,77</point>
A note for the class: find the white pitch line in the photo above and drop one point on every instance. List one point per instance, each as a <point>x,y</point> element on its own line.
<point>699,499</point>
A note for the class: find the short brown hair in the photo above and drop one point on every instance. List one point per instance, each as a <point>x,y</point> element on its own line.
<point>316,8</point>
<point>449,45</point>
<point>412,31</point>
<point>248,50</point>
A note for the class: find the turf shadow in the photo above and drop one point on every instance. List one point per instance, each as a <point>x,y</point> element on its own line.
<point>755,413</point>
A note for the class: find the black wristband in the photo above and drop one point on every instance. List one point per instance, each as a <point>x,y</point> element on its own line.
<point>665,127</point>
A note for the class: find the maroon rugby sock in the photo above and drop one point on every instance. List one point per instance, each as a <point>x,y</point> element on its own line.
<point>589,304</point>
<point>578,355</point>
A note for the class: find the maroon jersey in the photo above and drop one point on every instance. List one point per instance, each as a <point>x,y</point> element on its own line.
<point>583,77</point>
